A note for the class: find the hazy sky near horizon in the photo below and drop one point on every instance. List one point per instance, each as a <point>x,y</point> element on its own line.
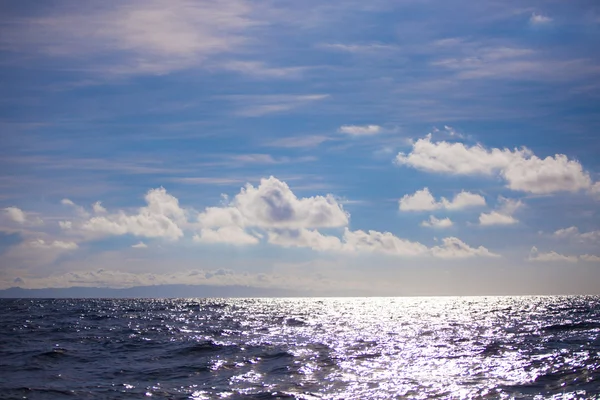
<point>384,147</point>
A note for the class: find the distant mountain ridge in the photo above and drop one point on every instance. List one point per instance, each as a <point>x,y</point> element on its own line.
<point>158,291</point>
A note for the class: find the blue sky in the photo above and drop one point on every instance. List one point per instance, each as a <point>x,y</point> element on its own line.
<point>407,147</point>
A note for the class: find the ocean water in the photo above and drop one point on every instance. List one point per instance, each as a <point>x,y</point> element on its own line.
<point>332,348</point>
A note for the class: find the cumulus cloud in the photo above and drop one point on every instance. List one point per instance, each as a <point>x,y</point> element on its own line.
<point>552,256</point>
<point>273,205</point>
<point>140,245</point>
<point>453,247</point>
<point>160,218</point>
<point>270,205</point>
<point>539,19</point>
<point>78,209</point>
<point>268,210</point>
<point>520,168</point>
<point>574,233</point>
<point>53,245</point>
<point>15,214</point>
<point>214,217</point>
<point>463,200</point>
<point>98,208</point>
<point>589,258</point>
<point>423,200</point>
<point>312,239</point>
<point>374,242</point>
<point>360,130</point>
<point>381,242</point>
<point>503,215</point>
<point>21,217</point>
<point>496,218</point>
<point>227,234</point>
<point>66,225</point>
<point>434,222</point>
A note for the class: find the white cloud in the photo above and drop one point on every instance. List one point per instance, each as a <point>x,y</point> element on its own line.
<point>589,258</point>
<point>566,232</point>
<point>463,200</point>
<point>160,218</point>
<point>19,216</point>
<point>270,209</point>
<point>215,217</point>
<point>304,238</point>
<point>538,19</point>
<point>423,200</point>
<point>522,170</point>
<point>381,242</point>
<point>66,225</point>
<point>273,205</point>
<point>80,210</point>
<point>15,214</point>
<point>549,175</point>
<point>496,218</point>
<point>298,141</point>
<point>360,48</point>
<point>437,223</point>
<point>254,158</point>
<point>552,256</point>
<point>207,180</point>
<point>270,205</point>
<point>452,132</point>
<point>54,245</point>
<point>261,70</point>
<point>360,130</point>
<point>98,208</point>
<point>148,37</point>
<point>227,234</point>
<point>259,105</point>
<point>574,233</point>
<point>504,214</point>
<point>453,247</point>
<point>374,242</point>
<point>140,245</point>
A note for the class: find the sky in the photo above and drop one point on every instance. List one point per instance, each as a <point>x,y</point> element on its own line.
<point>382,148</point>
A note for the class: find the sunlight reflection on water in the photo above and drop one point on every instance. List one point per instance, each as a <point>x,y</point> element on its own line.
<point>334,348</point>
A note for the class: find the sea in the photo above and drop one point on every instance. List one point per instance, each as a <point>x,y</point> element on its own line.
<point>301,348</point>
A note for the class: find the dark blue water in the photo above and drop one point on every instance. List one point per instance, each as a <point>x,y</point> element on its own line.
<point>357,348</point>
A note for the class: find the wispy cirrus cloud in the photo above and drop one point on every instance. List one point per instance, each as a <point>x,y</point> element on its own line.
<point>260,105</point>
<point>261,70</point>
<point>204,180</point>
<point>298,141</point>
<point>360,48</point>
<point>360,130</point>
<point>135,37</point>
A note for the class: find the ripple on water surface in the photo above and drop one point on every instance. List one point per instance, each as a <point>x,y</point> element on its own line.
<point>351,348</point>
